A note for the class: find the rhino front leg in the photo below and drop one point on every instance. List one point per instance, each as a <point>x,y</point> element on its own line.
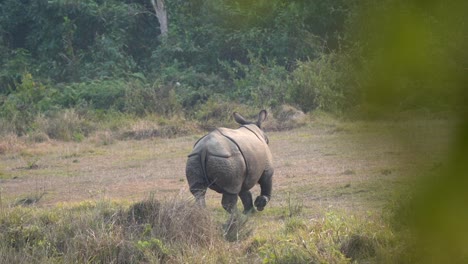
<point>229,202</point>
<point>247,201</point>
<point>265,193</point>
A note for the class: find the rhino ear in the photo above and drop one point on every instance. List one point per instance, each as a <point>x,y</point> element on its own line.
<point>262,116</point>
<point>240,119</point>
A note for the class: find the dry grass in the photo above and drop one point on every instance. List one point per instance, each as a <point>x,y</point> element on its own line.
<point>10,144</point>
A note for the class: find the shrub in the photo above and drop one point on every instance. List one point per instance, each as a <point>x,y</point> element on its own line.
<point>97,94</point>
<point>19,108</point>
<point>332,238</point>
<point>190,86</point>
<point>154,126</point>
<point>258,83</point>
<point>39,137</point>
<point>14,63</point>
<point>143,99</point>
<point>65,125</point>
<point>216,112</point>
<point>317,84</point>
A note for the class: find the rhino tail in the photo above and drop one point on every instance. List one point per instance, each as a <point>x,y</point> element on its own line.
<point>203,156</point>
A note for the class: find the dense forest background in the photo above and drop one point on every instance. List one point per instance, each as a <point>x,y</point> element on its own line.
<point>93,58</point>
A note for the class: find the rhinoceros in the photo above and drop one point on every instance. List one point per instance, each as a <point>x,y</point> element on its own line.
<point>231,162</point>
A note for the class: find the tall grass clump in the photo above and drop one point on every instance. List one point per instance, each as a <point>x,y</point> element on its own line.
<point>175,221</point>
<point>332,238</point>
<point>237,227</point>
<point>66,125</point>
<point>106,232</point>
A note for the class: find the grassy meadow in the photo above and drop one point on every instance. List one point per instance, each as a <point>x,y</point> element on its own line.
<point>340,196</point>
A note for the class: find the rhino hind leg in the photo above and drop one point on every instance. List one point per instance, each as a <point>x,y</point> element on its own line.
<point>229,202</point>
<point>265,186</point>
<point>199,194</point>
<point>261,202</point>
<point>196,179</point>
<point>247,201</point>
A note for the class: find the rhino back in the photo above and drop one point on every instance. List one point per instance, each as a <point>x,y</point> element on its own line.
<point>215,144</point>
<point>254,150</point>
<point>224,164</point>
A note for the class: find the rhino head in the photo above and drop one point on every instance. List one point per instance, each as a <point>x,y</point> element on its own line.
<point>262,116</point>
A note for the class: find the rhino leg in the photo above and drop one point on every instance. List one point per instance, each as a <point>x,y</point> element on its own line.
<point>229,202</point>
<point>265,193</point>
<point>195,178</point>
<point>199,194</point>
<point>247,201</point>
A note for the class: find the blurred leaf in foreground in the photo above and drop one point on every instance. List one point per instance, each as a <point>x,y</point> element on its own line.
<point>415,56</point>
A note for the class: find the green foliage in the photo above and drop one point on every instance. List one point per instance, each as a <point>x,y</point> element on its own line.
<point>107,55</point>
<point>262,84</point>
<point>192,87</point>
<point>98,94</point>
<point>332,238</point>
<point>106,59</point>
<point>228,30</point>
<point>20,108</point>
<point>153,249</point>
<point>318,84</point>
<point>77,41</point>
<point>158,98</point>
<point>15,63</point>
<point>332,56</point>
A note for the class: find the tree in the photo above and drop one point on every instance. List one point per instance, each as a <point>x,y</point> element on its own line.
<point>161,14</point>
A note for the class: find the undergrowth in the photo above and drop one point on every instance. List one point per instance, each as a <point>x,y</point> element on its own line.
<point>106,232</point>
<point>104,128</point>
<point>176,231</point>
<point>331,238</point>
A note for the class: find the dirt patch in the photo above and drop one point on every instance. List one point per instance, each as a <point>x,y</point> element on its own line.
<point>355,170</point>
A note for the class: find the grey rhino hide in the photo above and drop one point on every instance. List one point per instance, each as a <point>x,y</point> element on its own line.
<point>254,149</point>
<point>228,168</point>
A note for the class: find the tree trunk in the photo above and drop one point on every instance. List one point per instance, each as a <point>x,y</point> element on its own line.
<point>161,14</point>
